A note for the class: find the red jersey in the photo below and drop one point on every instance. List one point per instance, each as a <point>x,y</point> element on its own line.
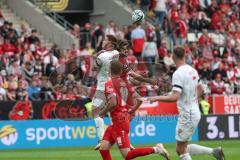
<point>123,92</point>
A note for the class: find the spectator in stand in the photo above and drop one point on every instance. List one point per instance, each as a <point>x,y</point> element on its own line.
<point>230,73</point>
<point>70,80</point>
<point>118,33</point>
<point>86,35</point>
<point>33,38</point>
<point>110,28</point>
<point>181,31</point>
<point>87,50</point>
<point>168,61</point>
<point>50,62</point>
<point>28,71</point>
<point>205,72</point>
<point>58,92</point>
<point>163,50</point>
<point>38,67</point>
<point>217,85</point>
<point>8,48</point>
<point>47,92</point>
<point>150,32</point>
<point>98,36</point>
<point>41,51</point>
<point>11,92</point>
<point>74,52</point>
<point>216,19</point>
<point>138,38</point>
<point>15,69</point>
<point>158,35</point>
<point>220,70</point>
<point>76,31</point>
<point>160,10</point>
<point>127,32</point>
<point>55,50</point>
<point>34,91</point>
<point>215,64</point>
<point>4,29</point>
<point>218,38</point>
<point>21,92</point>
<point>70,95</point>
<point>28,57</point>
<point>150,55</point>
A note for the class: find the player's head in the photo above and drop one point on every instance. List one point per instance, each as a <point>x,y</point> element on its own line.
<point>109,42</point>
<point>123,47</point>
<point>116,68</point>
<point>179,54</point>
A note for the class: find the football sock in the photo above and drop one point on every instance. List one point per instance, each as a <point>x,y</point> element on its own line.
<point>185,156</point>
<point>195,149</point>
<point>137,152</point>
<point>100,127</point>
<point>105,155</point>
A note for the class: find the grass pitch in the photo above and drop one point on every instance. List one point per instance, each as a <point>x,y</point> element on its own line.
<point>231,149</point>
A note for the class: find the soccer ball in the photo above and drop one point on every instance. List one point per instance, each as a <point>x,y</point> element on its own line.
<point>137,16</point>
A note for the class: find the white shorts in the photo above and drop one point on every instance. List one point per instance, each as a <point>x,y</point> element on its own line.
<point>185,129</point>
<point>99,99</point>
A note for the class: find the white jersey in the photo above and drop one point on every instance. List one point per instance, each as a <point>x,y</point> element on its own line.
<point>185,80</point>
<point>104,60</point>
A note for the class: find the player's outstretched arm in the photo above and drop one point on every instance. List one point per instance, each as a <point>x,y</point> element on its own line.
<point>111,103</point>
<point>143,79</point>
<point>173,97</point>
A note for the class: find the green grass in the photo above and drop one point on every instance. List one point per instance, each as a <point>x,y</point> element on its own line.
<point>231,149</point>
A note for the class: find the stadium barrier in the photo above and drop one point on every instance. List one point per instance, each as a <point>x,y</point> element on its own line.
<point>20,110</point>
<point>59,133</point>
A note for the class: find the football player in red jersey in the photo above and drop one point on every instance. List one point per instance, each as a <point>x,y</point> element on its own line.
<point>118,93</point>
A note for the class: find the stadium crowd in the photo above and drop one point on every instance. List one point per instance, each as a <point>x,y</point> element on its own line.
<point>209,30</point>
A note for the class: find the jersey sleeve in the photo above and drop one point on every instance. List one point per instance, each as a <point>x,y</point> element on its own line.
<point>177,83</point>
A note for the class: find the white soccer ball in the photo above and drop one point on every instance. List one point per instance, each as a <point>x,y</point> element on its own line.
<point>137,16</point>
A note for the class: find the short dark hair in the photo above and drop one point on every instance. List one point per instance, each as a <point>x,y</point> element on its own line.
<point>116,67</point>
<point>179,52</point>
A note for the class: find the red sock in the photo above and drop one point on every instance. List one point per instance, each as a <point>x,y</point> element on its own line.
<point>105,154</point>
<point>137,152</point>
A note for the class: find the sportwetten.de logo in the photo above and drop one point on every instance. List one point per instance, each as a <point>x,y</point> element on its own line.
<point>8,135</point>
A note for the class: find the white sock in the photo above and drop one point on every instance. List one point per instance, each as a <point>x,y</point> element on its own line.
<point>100,127</point>
<point>195,149</point>
<point>185,156</point>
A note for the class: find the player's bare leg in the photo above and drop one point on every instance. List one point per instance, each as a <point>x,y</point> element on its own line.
<point>99,122</point>
<point>182,151</point>
<point>105,150</point>
<point>128,154</point>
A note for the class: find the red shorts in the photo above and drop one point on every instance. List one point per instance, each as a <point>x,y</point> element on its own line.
<point>117,134</point>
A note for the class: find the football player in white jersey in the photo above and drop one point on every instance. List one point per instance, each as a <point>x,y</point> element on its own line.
<point>186,89</point>
<point>102,66</point>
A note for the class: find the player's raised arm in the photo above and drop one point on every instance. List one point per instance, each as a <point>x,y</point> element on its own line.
<point>111,103</point>
<point>172,97</point>
<point>141,78</point>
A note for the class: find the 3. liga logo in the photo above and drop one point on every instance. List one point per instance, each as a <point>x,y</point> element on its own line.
<point>8,135</point>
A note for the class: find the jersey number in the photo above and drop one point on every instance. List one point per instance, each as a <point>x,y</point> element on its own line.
<point>124,95</point>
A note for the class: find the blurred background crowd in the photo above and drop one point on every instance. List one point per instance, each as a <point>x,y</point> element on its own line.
<point>209,30</point>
